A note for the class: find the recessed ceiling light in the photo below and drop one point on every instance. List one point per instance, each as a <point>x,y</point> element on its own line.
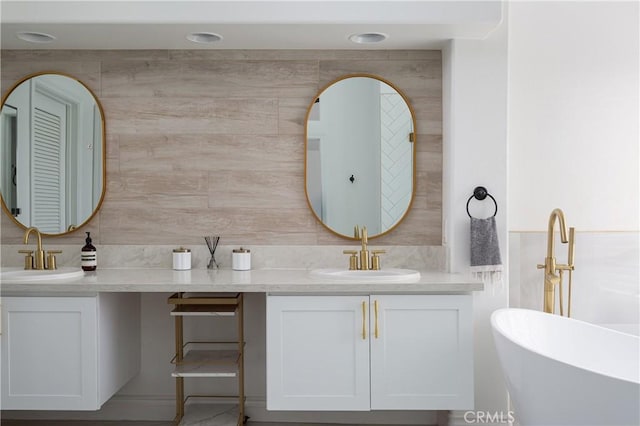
<point>365,38</point>
<point>34,37</point>
<point>201,37</point>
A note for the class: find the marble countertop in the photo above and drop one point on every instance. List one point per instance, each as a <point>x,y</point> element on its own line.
<point>226,280</point>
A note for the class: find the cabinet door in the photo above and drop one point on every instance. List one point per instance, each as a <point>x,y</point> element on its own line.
<point>49,353</point>
<point>317,353</point>
<point>422,357</point>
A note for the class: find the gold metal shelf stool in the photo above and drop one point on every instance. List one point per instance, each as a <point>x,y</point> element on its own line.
<point>208,363</point>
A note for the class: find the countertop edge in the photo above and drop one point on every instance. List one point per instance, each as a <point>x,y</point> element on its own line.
<point>254,281</point>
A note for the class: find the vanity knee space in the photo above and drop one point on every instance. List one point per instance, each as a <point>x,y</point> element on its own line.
<point>369,352</point>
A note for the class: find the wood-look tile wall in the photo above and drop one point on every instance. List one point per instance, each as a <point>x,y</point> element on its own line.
<point>212,142</point>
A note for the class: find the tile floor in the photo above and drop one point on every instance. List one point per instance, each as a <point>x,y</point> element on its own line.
<point>78,423</point>
<point>121,423</point>
<point>197,415</point>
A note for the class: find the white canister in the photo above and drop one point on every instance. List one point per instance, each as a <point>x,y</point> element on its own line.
<point>241,259</point>
<point>181,259</point>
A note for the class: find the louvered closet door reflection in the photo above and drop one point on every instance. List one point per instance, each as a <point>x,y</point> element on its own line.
<point>48,151</point>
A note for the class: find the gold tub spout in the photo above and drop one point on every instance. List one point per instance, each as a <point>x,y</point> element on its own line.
<point>553,270</point>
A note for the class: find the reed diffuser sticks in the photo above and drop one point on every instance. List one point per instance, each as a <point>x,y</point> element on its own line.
<point>212,244</point>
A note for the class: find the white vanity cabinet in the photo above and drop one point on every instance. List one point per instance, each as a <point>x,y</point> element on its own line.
<point>317,354</point>
<point>68,353</point>
<point>372,352</point>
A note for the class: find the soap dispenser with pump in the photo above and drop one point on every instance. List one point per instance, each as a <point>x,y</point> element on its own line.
<point>89,258</point>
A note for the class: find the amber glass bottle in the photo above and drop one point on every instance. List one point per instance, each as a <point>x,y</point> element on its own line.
<point>89,259</point>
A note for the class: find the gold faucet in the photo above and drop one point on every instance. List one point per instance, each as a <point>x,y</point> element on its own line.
<point>361,262</point>
<point>39,254</point>
<point>553,272</point>
<point>37,261</point>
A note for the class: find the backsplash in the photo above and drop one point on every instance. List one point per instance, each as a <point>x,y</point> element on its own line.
<point>431,258</point>
<point>212,142</point>
<point>605,282</point>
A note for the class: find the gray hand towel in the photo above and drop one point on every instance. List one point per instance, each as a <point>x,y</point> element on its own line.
<point>485,250</point>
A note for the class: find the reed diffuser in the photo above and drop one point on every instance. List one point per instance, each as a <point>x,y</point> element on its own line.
<point>212,244</point>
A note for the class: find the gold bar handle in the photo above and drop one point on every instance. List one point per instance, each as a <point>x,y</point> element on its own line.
<point>376,331</point>
<point>364,320</point>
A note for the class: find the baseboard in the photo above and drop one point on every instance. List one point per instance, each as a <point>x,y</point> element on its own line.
<point>149,408</point>
<point>480,418</point>
<point>163,408</point>
<point>257,411</point>
<point>456,418</point>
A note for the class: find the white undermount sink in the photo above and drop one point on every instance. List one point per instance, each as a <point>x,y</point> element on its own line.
<point>24,275</point>
<point>383,275</point>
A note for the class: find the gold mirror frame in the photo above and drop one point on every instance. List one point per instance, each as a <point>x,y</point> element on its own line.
<point>413,140</point>
<point>71,228</point>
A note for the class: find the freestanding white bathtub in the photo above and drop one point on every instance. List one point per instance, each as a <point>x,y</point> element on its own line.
<point>561,371</point>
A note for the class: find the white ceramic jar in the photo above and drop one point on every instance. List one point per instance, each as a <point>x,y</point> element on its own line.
<point>241,259</point>
<point>181,259</point>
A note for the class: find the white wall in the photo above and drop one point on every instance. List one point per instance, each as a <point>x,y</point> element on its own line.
<point>573,114</point>
<point>573,140</point>
<point>573,144</point>
<point>475,154</point>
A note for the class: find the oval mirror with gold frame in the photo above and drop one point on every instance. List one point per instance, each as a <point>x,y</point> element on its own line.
<point>53,153</point>
<point>360,156</point>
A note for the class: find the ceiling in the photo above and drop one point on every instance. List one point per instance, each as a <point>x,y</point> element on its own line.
<point>257,24</point>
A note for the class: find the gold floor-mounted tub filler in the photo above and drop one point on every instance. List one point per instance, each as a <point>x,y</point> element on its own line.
<point>553,272</point>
